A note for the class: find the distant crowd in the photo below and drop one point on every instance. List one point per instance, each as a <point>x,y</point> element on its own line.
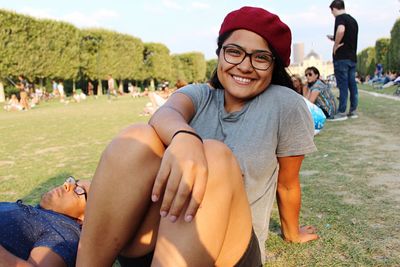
<point>381,79</point>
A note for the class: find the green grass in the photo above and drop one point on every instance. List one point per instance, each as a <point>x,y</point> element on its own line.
<point>346,188</point>
<point>42,146</point>
<point>387,91</point>
<point>344,195</point>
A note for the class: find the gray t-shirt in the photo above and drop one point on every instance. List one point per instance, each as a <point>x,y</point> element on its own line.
<point>276,123</point>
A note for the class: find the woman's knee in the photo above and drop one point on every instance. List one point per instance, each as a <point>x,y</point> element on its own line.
<point>223,163</point>
<point>136,142</point>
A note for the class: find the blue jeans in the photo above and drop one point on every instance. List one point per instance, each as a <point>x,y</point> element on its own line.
<point>345,73</point>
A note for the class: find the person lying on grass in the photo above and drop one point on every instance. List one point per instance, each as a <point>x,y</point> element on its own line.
<point>46,234</point>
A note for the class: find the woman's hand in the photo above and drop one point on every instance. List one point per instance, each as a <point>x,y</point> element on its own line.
<point>183,176</point>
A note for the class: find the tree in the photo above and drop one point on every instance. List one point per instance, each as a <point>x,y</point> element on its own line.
<point>178,69</point>
<point>381,51</point>
<point>194,66</point>
<point>37,48</point>
<point>366,61</point>
<point>211,66</point>
<point>394,47</point>
<point>157,62</point>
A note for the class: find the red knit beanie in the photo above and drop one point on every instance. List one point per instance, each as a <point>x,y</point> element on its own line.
<point>265,24</point>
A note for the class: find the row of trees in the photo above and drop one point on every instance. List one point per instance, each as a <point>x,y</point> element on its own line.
<point>47,49</point>
<point>386,51</point>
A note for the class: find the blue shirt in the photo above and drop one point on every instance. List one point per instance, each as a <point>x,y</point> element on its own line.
<point>23,227</point>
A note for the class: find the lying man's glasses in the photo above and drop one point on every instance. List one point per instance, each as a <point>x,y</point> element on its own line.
<point>79,190</point>
<point>260,59</point>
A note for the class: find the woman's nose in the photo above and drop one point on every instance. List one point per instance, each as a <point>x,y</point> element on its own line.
<point>246,65</point>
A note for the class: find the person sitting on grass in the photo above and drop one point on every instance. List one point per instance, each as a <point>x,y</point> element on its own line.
<point>319,93</point>
<point>46,234</point>
<point>298,85</point>
<point>196,185</point>
<point>13,104</point>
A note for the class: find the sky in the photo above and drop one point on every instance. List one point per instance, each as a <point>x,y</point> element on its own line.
<point>186,25</point>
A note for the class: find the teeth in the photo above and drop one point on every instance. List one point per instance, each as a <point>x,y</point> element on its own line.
<point>242,80</point>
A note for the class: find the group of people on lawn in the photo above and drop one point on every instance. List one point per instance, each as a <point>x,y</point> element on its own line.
<point>195,186</point>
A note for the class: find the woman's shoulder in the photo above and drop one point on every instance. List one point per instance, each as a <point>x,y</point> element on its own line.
<point>281,92</point>
<point>282,98</point>
<point>202,88</point>
<point>318,85</point>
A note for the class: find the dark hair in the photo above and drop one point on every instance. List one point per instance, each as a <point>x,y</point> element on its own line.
<point>313,69</point>
<point>338,4</point>
<point>279,74</point>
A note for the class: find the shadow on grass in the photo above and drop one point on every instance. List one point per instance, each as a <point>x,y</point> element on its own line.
<point>274,226</point>
<point>34,195</point>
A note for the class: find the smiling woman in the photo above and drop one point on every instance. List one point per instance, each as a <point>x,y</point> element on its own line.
<point>205,168</point>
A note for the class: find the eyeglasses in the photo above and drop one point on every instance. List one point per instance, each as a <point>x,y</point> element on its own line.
<point>260,59</point>
<point>79,190</point>
<point>309,74</point>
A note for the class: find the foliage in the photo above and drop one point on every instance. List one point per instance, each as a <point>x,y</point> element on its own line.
<point>366,61</point>
<point>193,66</point>
<point>37,48</point>
<point>211,66</point>
<point>394,47</point>
<point>48,49</point>
<point>9,90</point>
<point>178,70</point>
<point>381,52</point>
<point>157,62</point>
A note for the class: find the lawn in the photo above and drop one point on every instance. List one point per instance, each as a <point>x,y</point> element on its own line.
<point>351,186</point>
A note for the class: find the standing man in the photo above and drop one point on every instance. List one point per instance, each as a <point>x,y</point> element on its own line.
<point>344,59</point>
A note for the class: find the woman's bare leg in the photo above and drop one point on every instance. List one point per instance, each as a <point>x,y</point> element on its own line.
<point>221,230</point>
<point>120,194</point>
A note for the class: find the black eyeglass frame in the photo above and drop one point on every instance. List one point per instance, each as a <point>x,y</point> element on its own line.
<point>248,55</point>
<point>76,186</point>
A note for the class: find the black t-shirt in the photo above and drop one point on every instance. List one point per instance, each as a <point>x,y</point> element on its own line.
<point>349,48</point>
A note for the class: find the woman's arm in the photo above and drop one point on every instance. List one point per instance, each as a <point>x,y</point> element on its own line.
<point>289,201</point>
<point>183,171</point>
<point>40,257</point>
<point>312,95</point>
<point>305,91</point>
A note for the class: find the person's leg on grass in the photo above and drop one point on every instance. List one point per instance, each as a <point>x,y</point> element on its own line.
<point>117,208</point>
<point>341,74</point>
<point>353,87</point>
<point>120,194</point>
<point>213,235</point>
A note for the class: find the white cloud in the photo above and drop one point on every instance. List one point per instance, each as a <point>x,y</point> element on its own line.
<point>77,18</point>
<point>171,4</point>
<point>94,19</point>
<point>81,20</point>
<point>200,5</point>
<point>38,13</point>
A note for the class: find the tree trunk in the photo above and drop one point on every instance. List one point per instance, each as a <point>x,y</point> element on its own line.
<point>152,86</point>
<point>2,95</point>
<point>121,87</point>
<point>99,88</point>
